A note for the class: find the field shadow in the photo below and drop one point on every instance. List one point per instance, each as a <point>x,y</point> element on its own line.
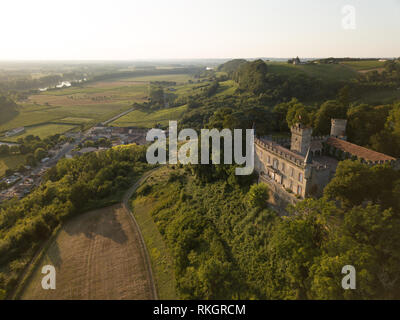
<point>54,255</point>
<point>103,222</point>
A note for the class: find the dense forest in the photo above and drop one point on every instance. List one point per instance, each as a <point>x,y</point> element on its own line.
<point>226,243</point>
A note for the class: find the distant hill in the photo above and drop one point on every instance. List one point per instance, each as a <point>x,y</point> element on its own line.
<point>325,72</point>
<point>8,109</point>
<point>231,66</point>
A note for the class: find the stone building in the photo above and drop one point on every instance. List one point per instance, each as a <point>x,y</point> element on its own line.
<point>304,165</point>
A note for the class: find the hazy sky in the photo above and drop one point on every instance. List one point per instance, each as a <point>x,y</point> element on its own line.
<point>158,29</point>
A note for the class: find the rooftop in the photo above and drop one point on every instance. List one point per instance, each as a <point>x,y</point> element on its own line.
<point>360,152</point>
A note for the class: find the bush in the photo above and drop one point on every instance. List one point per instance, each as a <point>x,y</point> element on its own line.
<point>258,195</point>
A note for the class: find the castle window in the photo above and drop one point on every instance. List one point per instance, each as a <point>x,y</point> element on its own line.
<point>276,164</point>
<point>283,167</point>
<point>300,177</point>
<point>269,159</point>
<point>299,190</point>
<point>291,172</point>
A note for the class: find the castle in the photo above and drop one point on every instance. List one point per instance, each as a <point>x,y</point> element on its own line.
<point>304,165</point>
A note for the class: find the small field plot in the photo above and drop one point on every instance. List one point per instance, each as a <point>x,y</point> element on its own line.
<point>90,104</point>
<point>140,118</point>
<point>328,72</point>
<point>178,78</point>
<point>42,131</point>
<point>96,256</point>
<point>364,64</point>
<point>10,162</point>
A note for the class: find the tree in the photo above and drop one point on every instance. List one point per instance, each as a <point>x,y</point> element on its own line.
<point>364,121</point>
<point>329,110</point>
<point>30,160</point>
<point>251,76</point>
<point>298,114</point>
<point>40,153</point>
<point>344,96</point>
<point>355,182</point>
<point>4,150</point>
<point>258,195</point>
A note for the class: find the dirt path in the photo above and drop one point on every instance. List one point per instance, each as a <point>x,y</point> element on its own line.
<point>143,247</point>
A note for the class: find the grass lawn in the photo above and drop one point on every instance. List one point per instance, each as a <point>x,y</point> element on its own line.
<point>10,162</point>
<point>140,118</point>
<point>161,260</point>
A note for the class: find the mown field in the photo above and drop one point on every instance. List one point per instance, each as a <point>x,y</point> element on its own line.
<point>96,256</point>
<point>141,118</point>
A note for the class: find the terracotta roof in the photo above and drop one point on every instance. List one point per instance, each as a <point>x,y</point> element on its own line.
<point>360,152</point>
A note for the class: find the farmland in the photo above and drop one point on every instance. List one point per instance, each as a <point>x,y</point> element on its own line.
<point>328,72</point>
<point>60,110</point>
<point>85,105</point>
<point>96,256</point>
<point>364,64</point>
<point>42,131</point>
<point>147,119</point>
<point>10,162</point>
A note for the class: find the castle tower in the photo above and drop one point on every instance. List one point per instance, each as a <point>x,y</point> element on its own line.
<point>301,138</point>
<point>338,128</point>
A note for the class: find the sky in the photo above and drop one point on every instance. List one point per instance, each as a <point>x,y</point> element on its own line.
<point>191,29</point>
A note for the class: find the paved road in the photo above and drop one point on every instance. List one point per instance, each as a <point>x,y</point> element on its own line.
<point>145,253</point>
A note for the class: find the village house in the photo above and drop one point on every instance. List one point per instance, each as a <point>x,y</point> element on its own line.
<point>15,131</point>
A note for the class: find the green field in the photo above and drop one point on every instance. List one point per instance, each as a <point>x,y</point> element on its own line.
<point>178,78</point>
<point>140,118</point>
<point>87,105</point>
<point>329,72</point>
<point>227,88</point>
<point>10,162</point>
<point>161,261</point>
<point>42,131</point>
<point>364,64</point>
